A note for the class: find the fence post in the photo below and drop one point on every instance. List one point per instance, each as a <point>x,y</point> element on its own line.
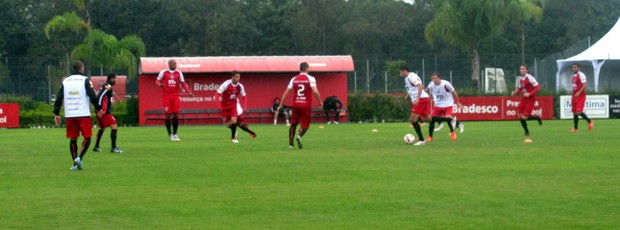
<point>386,82</point>
<point>355,82</point>
<point>367,76</point>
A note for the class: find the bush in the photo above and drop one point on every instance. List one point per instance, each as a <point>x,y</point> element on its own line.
<point>378,107</point>
<point>34,114</point>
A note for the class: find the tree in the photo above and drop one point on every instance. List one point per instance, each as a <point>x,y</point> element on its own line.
<point>467,23</point>
<point>69,28</point>
<point>102,49</point>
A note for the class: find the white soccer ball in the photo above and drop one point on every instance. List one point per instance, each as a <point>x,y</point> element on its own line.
<point>409,138</point>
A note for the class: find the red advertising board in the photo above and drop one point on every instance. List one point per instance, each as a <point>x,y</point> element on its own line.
<point>120,89</point>
<point>9,115</point>
<point>500,108</point>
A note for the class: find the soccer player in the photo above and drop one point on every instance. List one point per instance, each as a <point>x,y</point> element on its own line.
<point>104,116</point>
<point>332,103</point>
<point>232,102</point>
<point>75,93</point>
<point>170,80</point>
<point>420,102</point>
<point>527,88</point>
<point>284,112</point>
<point>578,100</point>
<point>302,86</point>
<point>444,96</point>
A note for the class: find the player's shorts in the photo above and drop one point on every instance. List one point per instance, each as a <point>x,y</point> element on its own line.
<point>442,112</point>
<point>423,108</point>
<point>232,112</point>
<point>83,125</point>
<point>106,120</point>
<point>172,104</point>
<point>301,115</point>
<point>526,106</point>
<point>577,104</point>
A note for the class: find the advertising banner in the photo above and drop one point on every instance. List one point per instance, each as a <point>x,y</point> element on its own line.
<point>9,115</point>
<point>500,108</point>
<point>597,106</point>
<point>614,107</point>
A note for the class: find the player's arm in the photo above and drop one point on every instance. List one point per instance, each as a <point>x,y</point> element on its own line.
<point>284,95</point>
<point>420,90</point>
<point>536,87</point>
<point>101,100</point>
<point>184,85</point>
<point>91,94</point>
<point>159,78</point>
<point>57,104</point>
<point>316,93</point>
<point>584,85</point>
<point>455,95</point>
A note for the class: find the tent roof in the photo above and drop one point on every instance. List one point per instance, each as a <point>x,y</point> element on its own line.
<point>254,64</point>
<point>608,47</point>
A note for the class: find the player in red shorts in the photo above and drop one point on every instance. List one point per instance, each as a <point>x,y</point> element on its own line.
<point>233,101</point>
<point>76,93</point>
<point>302,86</point>
<point>578,100</point>
<point>420,102</point>
<point>527,88</point>
<point>104,116</point>
<point>170,80</point>
<point>444,96</point>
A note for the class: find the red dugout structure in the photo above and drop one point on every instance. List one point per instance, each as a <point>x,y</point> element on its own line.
<point>264,77</point>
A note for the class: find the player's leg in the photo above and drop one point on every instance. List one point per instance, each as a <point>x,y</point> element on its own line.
<point>523,119</point>
<point>287,115</point>
<point>113,136</point>
<point>73,133</point>
<point>326,112</point>
<point>168,115</point>
<point>416,126</point>
<point>245,127</point>
<point>431,129</point>
<point>293,128</point>
<point>99,135</point>
<point>590,122</point>
<point>337,116</point>
<point>87,131</point>
<point>232,125</point>
<point>175,123</point>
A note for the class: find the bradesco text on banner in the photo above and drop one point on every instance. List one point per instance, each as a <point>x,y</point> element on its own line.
<point>500,108</point>
<point>9,115</point>
<point>597,106</point>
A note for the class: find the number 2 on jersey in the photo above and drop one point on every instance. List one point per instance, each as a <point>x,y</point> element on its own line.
<point>300,91</point>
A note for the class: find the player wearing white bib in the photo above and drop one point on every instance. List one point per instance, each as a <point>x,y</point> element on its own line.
<point>420,103</point>
<point>444,96</point>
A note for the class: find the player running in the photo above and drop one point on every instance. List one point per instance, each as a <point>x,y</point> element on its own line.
<point>444,96</point>
<point>302,86</point>
<point>104,116</point>
<point>232,103</point>
<point>420,102</point>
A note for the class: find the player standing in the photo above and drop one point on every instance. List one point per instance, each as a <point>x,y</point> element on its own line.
<point>444,96</point>
<point>302,86</point>
<point>104,116</point>
<point>420,102</point>
<point>578,99</point>
<point>75,93</point>
<point>232,103</point>
<point>527,88</point>
<point>170,80</point>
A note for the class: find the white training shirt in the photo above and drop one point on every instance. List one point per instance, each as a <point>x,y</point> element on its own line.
<point>411,83</point>
<point>442,93</point>
<point>76,101</point>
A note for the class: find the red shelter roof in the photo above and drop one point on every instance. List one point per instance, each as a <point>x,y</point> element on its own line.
<point>151,65</point>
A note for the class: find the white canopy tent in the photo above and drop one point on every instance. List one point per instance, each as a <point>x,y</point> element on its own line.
<point>606,50</point>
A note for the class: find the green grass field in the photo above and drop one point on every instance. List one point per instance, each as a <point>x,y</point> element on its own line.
<point>346,177</point>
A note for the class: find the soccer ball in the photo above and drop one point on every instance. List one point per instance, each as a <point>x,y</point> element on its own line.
<point>409,138</point>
